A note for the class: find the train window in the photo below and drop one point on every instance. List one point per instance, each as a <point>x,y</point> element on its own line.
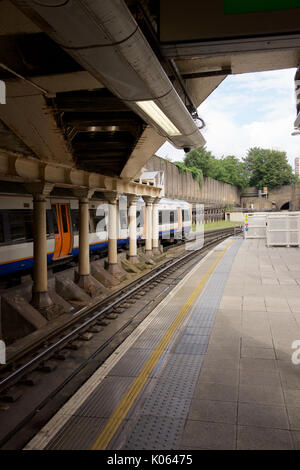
<point>185,215</point>
<point>165,215</point>
<point>98,221</point>
<point>1,229</point>
<point>123,219</point>
<point>55,224</point>
<point>64,218</point>
<point>160,218</point>
<point>171,217</point>
<point>21,225</point>
<point>75,220</point>
<point>48,223</point>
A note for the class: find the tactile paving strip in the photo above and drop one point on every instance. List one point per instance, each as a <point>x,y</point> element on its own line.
<point>191,348</point>
<point>155,432</point>
<point>178,367</point>
<point>198,330</point>
<point>177,407</point>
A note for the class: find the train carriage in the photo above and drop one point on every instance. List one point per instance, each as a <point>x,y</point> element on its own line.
<point>16,227</point>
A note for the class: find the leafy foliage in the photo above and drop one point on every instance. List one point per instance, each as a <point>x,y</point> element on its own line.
<point>196,172</point>
<point>268,168</point>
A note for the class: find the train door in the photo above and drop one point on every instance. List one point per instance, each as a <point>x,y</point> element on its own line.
<point>62,230</point>
<point>179,218</point>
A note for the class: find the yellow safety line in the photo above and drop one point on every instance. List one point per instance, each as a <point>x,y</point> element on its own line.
<point>129,398</point>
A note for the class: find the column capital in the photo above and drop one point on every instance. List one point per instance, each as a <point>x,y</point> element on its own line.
<point>39,190</point>
<point>156,200</point>
<point>83,193</point>
<point>132,199</point>
<point>112,196</point>
<point>148,200</point>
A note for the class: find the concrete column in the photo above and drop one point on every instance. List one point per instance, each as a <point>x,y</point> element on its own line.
<point>155,227</point>
<point>40,296</point>
<point>84,196</point>
<point>112,262</point>
<point>84,254</point>
<point>148,243</point>
<point>131,203</point>
<point>112,233</point>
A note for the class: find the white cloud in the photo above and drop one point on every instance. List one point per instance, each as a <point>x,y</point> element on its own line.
<point>249,110</point>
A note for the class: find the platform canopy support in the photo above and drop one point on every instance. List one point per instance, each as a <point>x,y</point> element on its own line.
<point>131,202</point>
<point>41,299</point>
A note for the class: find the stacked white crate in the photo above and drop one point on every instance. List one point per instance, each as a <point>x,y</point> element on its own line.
<point>283,229</point>
<point>256,225</point>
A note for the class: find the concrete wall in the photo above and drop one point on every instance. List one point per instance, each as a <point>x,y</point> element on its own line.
<point>276,198</point>
<point>183,186</point>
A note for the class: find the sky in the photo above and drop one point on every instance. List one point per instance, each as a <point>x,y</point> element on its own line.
<point>248,110</point>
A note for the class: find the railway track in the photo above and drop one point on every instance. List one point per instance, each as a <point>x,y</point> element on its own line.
<point>88,321</point>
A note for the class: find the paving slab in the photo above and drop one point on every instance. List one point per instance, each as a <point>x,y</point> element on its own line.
<point>256,438</point>
<point>213,411</point>
<point>251,414</point>
<point>205,435</point>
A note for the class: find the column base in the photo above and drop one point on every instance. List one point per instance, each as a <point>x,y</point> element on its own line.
<point>133,259</point>
<point>156,250</point>
<point>148,252</point>
<point>115,270</point>
<point>87,283</point>
<point>41,300</point>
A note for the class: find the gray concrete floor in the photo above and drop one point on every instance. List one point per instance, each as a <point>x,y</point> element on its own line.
<point>248,392</point>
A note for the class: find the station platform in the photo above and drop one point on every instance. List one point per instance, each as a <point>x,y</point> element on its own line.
<point>210,368</point>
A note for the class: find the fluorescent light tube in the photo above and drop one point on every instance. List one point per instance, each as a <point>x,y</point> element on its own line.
<point>156,114</point>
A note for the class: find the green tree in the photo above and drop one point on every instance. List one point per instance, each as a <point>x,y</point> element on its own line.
<point>196,172</point>
<point>234,172</point>
<point>202,159</point>
<point>268,168</point>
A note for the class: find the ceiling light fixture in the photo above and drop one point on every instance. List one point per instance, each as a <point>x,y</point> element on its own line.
<point>157,115</point>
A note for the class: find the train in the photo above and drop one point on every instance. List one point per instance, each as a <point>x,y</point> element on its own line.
<point>62,216</point>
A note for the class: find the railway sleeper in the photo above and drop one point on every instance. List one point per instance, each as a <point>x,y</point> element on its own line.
<point>86,336</point>
<point>47,366</point>
<point>11,395</point>
<point>95,329</point>
<point>30,379</point>
<point>103,322</point>
<point>62,355</point>
<point>118,309</point>
<point>111,316</point>
<point>74,345</point>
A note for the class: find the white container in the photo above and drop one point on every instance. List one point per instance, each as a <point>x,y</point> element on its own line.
<point>283,229</point>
